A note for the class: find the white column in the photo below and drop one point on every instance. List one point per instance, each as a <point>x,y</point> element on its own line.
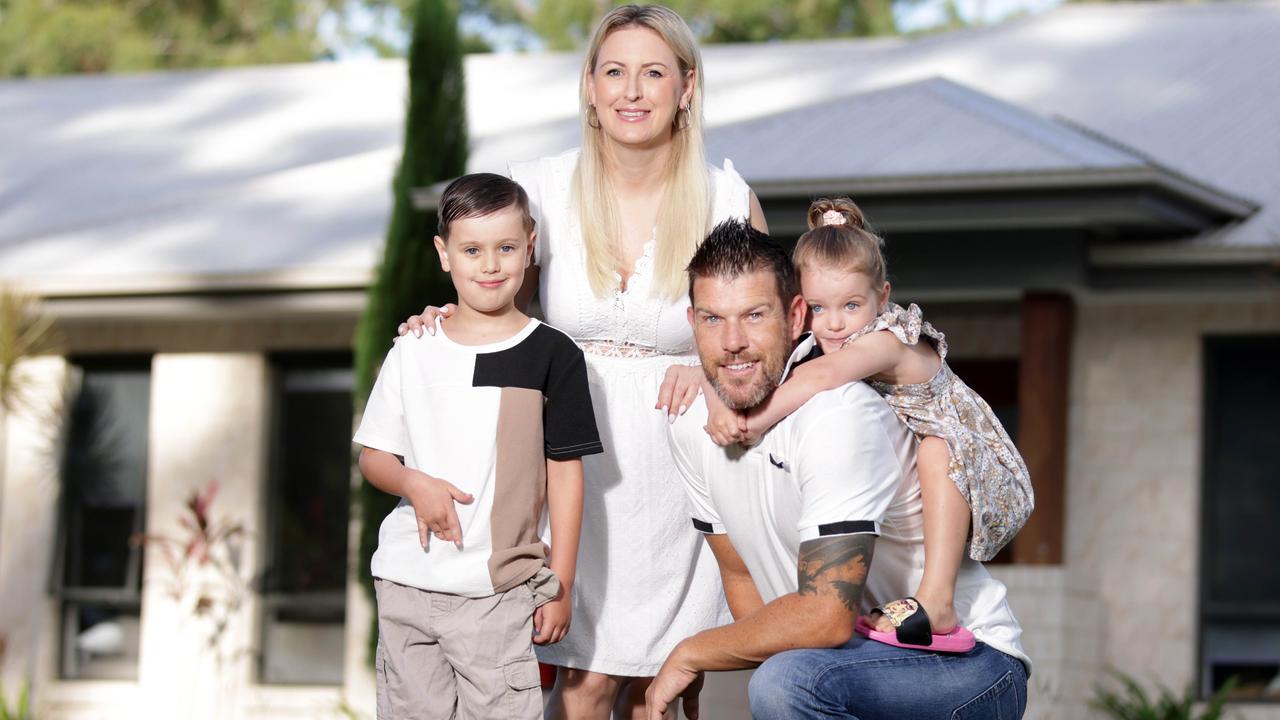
<point>30,457</point>
<point>209,416</point>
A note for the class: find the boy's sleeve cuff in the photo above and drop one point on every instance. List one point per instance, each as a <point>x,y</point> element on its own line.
<point>708,528</point>
<point>377,442</point>
<point>568,452</point>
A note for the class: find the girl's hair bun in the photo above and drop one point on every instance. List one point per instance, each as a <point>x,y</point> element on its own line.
<point>836,211</point>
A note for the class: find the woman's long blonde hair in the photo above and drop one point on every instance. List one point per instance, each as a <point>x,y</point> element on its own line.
<point>686,201</point>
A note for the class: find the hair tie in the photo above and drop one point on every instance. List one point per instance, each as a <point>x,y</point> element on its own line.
<point>834,217</point>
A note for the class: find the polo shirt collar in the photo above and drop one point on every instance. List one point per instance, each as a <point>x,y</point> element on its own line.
<point>806,350</point>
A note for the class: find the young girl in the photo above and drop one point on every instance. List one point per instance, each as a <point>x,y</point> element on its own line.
<point>971,475</point>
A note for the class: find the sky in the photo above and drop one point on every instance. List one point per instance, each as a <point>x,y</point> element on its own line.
<point>922,15</point>
<point>911,17</point>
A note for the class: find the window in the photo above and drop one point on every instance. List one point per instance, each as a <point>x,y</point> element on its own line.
<point>1240,578</point>
<point>304,584</point>
<point>99,578</point>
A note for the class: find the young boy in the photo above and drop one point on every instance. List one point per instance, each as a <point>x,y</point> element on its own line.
<point>476,427</point>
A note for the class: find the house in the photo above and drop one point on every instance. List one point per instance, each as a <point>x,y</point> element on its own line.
<point>1087,202</point>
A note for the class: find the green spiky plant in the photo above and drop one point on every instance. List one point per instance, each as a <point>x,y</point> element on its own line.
<point>435,149</point>
<point>20,711</point>
<point>1132,702</point>
<point>24,331</point>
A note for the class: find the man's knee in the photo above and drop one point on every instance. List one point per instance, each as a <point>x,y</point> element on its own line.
<point>777,688</point>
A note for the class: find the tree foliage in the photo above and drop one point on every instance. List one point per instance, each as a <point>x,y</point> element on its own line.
<point>435,149</point>
<point>760,20</point>
<point>566,24</point>
<point>55,37</point>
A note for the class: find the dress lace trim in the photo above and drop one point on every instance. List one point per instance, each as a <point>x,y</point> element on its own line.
<point>617,349</point>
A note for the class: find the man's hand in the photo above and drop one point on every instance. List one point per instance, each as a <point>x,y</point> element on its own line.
<point>675,680</point>
<point>432,500</point>
<point>551,619</point>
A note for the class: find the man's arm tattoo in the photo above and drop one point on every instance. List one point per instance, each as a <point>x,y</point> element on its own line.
<point>836,566</point>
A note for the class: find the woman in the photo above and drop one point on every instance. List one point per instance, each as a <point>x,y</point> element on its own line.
<point>617,222</point>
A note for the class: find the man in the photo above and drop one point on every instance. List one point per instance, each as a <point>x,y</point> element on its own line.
<point>795,521</point>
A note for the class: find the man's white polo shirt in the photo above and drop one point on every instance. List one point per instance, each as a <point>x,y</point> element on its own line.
<point>842,464</point>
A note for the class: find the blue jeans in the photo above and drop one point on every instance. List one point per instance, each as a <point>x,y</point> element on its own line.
<point>867,680</point>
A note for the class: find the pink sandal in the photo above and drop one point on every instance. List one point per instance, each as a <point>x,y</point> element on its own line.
<point>912,629</point>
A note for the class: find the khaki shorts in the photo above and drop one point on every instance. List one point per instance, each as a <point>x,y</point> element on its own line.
<point>444,656</point>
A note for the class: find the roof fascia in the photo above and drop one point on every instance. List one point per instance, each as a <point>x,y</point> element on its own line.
<point>1203,195</point>
<point>308,280</point>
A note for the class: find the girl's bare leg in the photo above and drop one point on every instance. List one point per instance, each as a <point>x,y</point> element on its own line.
<point>946,531</point>
<point>583,695</point>
<point>630,704</point>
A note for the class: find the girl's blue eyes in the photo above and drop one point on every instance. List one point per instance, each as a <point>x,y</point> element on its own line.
<point>849,306</point>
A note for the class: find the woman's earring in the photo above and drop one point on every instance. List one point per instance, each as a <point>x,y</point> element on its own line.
<point>592,118</point>
<point>687,116</point>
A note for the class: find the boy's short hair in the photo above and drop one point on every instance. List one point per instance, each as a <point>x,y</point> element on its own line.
<point>478,195</point>
<point>735,248</point>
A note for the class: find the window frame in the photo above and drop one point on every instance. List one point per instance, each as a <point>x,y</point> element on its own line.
<point>1207,611</point>
<point>272,601</point>
<point>68,597</point>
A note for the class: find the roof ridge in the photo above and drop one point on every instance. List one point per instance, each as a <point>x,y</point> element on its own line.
<point>1011,116</point>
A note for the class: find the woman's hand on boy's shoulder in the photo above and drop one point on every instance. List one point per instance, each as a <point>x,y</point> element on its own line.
<point>426,321</point>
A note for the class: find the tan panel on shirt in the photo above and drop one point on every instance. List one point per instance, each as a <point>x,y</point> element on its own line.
<point>520,490</point>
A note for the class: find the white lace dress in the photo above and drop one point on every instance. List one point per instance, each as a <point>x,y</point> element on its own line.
<point>646,579</point>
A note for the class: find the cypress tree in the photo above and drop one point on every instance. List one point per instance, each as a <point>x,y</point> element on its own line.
<point>435,149</point>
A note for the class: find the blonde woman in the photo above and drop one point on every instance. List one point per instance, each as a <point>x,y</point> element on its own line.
<point>617,222</point>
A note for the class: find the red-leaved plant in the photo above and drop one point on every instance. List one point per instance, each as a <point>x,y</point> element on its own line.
<point>203,559</point>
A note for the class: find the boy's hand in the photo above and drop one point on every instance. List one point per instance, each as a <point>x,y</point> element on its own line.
<point>432,500</point>
<point>725,426</point>
<point>551,620</point>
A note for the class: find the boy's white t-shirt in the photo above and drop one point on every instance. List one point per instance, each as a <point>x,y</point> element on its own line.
<point>485,418</point>
<point>842,464</point>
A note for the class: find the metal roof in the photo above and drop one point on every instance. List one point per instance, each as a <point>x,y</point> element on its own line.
<point>280,176</point>
<point>925,127</point>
